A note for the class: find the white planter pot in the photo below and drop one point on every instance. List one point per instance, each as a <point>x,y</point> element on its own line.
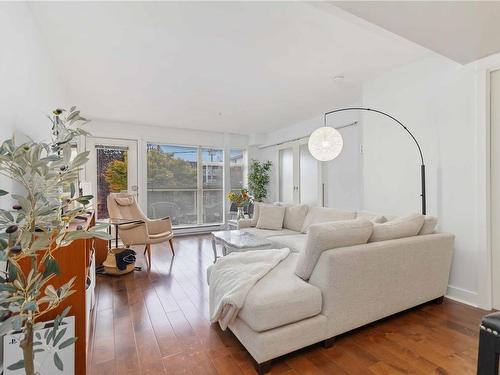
<point>44,360</point>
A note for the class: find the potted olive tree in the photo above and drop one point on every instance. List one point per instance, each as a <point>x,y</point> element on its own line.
<point>35,226</point>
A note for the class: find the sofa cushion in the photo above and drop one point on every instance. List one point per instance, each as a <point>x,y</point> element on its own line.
<point>271,217</point>
<point>266,233</point>
<point>430,223</point>
<point>256,211</point>
<point>326,236</point>
<point>372,216</point>
<point>280,298</point>
<point>294,216</point>
<point>295,242</point>
<point>322,215</point>
<point>404,226</point>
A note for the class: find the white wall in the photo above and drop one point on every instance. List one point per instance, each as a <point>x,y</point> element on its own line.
<point>29,86</point>
<point>342,176</point>
<point>436,99</point>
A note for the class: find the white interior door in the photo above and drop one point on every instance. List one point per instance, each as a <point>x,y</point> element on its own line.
<point>112,167</point>
<point>287,185</point>
<point>310,177</point>
<point>299,175</point>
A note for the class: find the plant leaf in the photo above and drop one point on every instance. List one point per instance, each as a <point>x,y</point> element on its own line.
<point>12,272</point>
<point>58,362</point>
<point>4,287</point>
<point>67,343</point>
<point>65,312</point>
<point>16,366</point>
<point>59,336</point>
<point>51,267</point>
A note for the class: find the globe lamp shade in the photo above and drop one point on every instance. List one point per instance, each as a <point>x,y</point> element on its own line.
<point>325,143</point>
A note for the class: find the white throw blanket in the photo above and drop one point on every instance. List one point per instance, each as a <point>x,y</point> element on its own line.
<point>232,277</point>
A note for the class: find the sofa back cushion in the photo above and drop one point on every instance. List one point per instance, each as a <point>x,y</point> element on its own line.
<point>430,223</point>
<point>318,215</point>
<point>294,216</point>
<point>270,217</point>
<point>372,216</point>
<point>330,235</point>
<point>404,226</point>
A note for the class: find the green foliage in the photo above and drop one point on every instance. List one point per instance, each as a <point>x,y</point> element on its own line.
<point>168,172</point>
<point>258,179</point>
<point>116,175</point>
<point>37,225</point>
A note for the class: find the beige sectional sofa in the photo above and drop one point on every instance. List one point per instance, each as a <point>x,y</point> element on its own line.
<point>349,286</point>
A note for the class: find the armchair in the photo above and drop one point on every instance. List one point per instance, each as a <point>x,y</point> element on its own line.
<point>124,206</point>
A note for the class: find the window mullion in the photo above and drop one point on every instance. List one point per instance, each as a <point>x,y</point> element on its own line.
<point>199,192</point>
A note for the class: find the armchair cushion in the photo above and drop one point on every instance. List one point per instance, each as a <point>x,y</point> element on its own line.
<point>159,226</point>
<point>331,235</point>
<point>133,234</point>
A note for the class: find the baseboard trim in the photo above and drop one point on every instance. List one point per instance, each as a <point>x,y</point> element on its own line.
<point>465,296</point>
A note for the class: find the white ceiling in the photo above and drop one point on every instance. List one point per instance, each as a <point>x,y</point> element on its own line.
<point>464,31</point>
<point>242,67</point>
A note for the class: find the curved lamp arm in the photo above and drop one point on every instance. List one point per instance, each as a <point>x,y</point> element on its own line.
<point>422,166</point>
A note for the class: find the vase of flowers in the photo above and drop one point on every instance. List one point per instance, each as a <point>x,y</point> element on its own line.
<point>240,199</point>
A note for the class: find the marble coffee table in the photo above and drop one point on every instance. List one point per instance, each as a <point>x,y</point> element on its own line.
<point>237,240</point>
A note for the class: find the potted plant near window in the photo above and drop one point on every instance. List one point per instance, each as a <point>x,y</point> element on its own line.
<point>258,179</point>
<point>240,199</point>
<point>34,227</point>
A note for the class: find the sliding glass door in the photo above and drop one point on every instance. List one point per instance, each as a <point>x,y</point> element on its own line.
<point>112,168</point>
<point>212,188</point>
<point>185,183</point>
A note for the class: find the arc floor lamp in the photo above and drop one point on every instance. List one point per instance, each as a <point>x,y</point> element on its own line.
<point>326,143</point>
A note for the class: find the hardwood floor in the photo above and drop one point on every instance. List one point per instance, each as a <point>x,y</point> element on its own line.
<point>157,322</point>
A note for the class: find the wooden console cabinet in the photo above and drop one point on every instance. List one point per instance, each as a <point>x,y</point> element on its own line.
<point>75,260</point>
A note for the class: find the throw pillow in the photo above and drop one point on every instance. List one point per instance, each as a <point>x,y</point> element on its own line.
<point>405,226</point>
<point>322,215</point>
<point>256,211</point>
<point>373,217</point>
<point>326,236</point>
<point>295,216</point>
<point>430,223</point>
<point>271,217</point>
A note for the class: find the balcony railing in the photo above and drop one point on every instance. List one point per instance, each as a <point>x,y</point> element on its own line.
<point>187,207</point>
